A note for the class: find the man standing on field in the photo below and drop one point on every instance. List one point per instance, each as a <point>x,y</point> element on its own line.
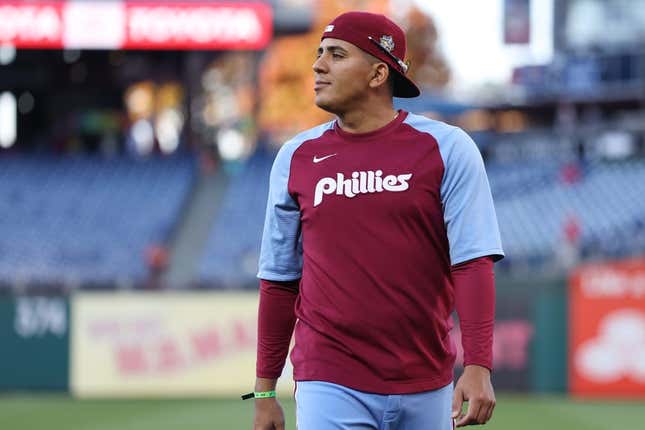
<point>379,224</point>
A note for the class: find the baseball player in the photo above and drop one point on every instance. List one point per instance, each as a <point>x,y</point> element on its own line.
<point>379,224</point>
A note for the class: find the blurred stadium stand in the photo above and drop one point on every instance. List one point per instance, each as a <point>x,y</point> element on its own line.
<point>534,206</point>
<point>81,219</point>
<point>231,255</point>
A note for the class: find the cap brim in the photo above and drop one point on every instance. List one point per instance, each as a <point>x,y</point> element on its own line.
<point>403,86</point>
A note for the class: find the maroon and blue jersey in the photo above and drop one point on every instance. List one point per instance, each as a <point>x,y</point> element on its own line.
<point>371,225</point>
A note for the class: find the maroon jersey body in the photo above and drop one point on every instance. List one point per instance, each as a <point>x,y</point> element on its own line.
<point>371,224</point>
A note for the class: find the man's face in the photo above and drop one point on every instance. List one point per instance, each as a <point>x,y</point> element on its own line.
<point>342,72</point>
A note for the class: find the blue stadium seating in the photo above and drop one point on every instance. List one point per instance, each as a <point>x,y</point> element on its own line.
<point>231,256</point>
<point>86,219</point>
<point>607,201</point>
<point>508,180</point>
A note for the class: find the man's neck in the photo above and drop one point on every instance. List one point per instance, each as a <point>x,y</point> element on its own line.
<point>364,121</point>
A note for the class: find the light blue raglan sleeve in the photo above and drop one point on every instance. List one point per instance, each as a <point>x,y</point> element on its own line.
<point>469,213</point>
<point>281,249</point>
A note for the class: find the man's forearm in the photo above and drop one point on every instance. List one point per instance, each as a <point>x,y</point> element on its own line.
<point>276,319</point>
<point>474,283</point>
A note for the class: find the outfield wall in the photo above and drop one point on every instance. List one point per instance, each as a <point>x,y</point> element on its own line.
<point>607,330</point>
<point>34,343</point>
<point>151,344</point>
<point>162,344</point>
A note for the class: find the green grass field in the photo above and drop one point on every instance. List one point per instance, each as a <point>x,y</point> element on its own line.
<point>26,412</point>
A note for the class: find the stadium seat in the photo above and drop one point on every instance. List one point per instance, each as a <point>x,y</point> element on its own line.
<point>86,219</point>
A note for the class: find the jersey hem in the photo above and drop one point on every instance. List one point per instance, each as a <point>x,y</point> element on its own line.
<point>497,253</point>
<point>387,387</point>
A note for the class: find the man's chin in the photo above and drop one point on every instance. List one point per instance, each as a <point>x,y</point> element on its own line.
<point>324,105</point>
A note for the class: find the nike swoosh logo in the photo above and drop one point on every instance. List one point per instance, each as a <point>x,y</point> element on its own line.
<point>318,160</point>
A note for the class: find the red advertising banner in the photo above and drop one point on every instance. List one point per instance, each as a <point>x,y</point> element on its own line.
<point>198,26</point>
<point>135,25</point>
<point>31,25</point>
<point>607,330</point>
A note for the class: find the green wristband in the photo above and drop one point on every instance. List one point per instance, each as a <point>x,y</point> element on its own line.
<point>259,395</point>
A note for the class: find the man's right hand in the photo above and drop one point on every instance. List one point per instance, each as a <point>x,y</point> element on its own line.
<point>268,414</point>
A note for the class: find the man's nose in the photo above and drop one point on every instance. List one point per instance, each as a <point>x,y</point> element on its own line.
<point>319,65</point>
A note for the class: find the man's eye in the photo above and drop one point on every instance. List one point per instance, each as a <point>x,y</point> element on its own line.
<point>336,55</point>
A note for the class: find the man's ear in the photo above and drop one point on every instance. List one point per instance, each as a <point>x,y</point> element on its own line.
<point>380,74</point>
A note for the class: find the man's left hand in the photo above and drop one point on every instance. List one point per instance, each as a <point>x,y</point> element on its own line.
<point>475,387</point>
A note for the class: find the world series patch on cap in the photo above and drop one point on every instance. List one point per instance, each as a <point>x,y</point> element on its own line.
<point>379,36</point>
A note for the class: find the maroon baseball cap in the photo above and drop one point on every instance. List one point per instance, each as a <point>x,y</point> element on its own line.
<point>379,36</point>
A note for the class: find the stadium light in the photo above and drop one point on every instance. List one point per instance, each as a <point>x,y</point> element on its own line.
<point>7,54</point>
<point>231,145</point>
<point>8,120</point>
<point>168,127</point>
<point>143,136</point>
